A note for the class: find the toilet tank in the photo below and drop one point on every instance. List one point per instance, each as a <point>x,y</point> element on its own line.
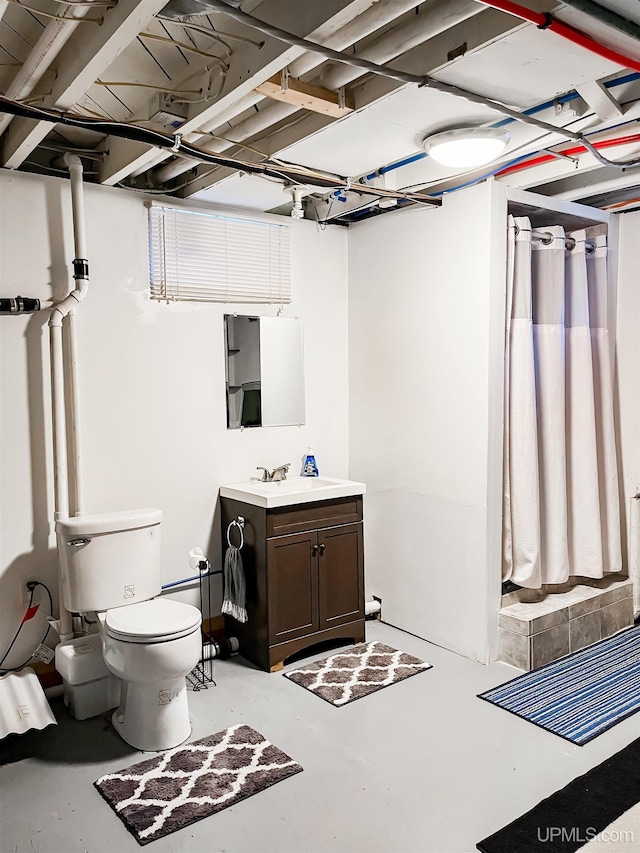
<point>109,560</point>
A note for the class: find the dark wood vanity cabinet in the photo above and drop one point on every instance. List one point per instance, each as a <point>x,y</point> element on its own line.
<point>304,567</point>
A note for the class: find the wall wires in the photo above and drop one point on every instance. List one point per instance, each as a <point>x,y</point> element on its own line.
<point>29,614</point>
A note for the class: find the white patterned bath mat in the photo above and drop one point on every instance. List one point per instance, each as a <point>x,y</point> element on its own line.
<point>193,781</point>
<point>349,675</point>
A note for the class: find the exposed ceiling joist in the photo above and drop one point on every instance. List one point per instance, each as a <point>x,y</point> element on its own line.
<point>428,57</point>
<point>439,16</point>
<point>368,22</point>
<point>412,69</point>
<point>250,66</point>
<point>54,37</point>
<point>79,66</point>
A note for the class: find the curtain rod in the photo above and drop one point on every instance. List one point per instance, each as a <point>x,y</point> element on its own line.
<point>547,237</point>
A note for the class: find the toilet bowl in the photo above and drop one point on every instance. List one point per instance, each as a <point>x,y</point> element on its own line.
<point>151,647</point>
<point>110,565</point>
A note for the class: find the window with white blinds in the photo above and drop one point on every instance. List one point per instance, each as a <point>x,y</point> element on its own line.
<point>199,256</point>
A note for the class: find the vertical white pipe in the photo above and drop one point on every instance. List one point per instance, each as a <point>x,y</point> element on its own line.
<point>63,420</point>
<point>60,462</point>
<point>74,398</point>
<point>64,625</point>
<point>74,165</point>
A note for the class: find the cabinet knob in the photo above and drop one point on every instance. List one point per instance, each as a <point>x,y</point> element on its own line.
<point>314,551</point>
<point>321,550</point>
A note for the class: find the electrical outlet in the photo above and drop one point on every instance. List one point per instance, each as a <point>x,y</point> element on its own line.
<point>196,556</point>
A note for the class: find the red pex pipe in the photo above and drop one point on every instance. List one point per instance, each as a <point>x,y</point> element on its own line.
<point>568,152</point>
<point>546,21</point>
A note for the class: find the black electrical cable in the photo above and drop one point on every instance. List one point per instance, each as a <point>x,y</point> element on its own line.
<point>17,633</point>
<point>178,146</point>
<point>32,585</point>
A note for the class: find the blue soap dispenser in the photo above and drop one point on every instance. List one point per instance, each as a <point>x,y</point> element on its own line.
<point>310,467</point>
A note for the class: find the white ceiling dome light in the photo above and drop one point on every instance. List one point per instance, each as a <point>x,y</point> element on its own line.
<point>467,146</point>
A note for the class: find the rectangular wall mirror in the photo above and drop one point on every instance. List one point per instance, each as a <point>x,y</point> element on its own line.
<point>264,371</point>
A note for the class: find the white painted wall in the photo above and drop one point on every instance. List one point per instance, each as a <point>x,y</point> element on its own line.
<point>152,384</point>
<point>628,361</point>
<point>419,334</point>
<point>426,309</point>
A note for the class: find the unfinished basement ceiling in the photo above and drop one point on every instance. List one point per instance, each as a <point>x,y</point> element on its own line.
<point>193,68</point>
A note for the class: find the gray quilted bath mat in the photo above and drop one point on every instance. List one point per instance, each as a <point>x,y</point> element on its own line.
<point>193,781</point>
<point>350,675</point>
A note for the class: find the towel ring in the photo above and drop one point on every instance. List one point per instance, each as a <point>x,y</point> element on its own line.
<point>239,523</point>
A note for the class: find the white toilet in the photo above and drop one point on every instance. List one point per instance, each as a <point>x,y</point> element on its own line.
<point>110,564</point>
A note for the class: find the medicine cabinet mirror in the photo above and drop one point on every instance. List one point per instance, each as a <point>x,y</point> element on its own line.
<point>264,371</point>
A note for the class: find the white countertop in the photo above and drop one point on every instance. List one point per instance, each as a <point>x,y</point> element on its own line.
<point>292,491</point>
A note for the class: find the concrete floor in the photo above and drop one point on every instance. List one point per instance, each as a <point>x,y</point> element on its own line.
<point>421,766</point>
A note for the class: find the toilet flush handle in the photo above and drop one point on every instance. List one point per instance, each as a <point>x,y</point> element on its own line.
<point>76,543</point>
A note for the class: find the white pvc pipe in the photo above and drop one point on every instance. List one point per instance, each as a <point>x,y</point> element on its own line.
<point>64,624</point>
<point>372,607</point>
<point>63,421</point>
<point>77,205</point>
<point>60,462</point>
<point>74,164</point>
<point>74,398</point>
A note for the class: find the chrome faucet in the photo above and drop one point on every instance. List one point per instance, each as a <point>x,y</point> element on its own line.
<point>279,473</point>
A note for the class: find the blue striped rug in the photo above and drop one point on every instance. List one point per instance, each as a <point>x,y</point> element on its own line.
<point>579,696</point>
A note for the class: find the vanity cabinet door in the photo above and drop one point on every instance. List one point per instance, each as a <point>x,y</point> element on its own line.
<point>292,580</point>
<point>340,575</point>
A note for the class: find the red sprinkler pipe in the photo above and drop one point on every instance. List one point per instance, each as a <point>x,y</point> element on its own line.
<point>546,21</point>
<point>568,152</point>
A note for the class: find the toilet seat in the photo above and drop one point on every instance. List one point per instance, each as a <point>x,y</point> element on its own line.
<point>155,621</point>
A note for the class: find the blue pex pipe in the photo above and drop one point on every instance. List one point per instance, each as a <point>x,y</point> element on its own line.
<point>561,99</point>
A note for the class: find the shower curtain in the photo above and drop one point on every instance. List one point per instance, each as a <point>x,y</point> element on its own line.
<point>561,504</point>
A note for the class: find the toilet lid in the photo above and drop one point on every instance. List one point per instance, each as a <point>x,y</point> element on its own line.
<point>153,621</point>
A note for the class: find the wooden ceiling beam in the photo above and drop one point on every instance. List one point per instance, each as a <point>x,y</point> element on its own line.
<point>316,99</point>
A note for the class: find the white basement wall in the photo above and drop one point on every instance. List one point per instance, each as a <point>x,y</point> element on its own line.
<point>152,380</point>
<point>628,362</point>
<point>426,309</point>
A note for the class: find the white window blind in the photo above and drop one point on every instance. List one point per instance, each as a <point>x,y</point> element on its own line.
<point>206,257</point>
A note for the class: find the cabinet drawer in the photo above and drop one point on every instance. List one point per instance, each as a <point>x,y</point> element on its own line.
<point>313,516</point>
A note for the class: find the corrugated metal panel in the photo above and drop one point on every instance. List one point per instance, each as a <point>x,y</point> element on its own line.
<point>23,705</point>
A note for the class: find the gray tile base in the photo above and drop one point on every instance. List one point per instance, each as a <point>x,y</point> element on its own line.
<point>540,626</point>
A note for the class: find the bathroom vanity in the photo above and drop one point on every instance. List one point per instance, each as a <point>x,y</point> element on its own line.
<point>303,561</point>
